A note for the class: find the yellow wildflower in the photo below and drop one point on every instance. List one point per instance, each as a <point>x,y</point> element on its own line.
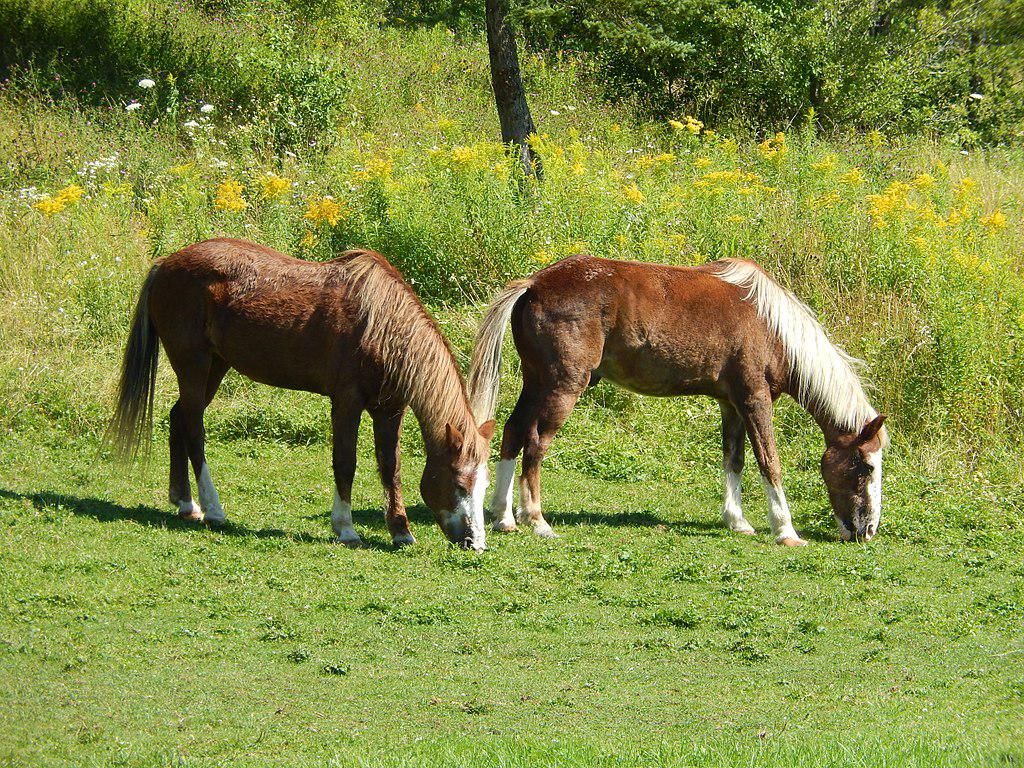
<point>180,170</point>
<point>229,197</point>
<point>664,158</point>
<point>702,162</point>
<point>853,177</point>
<point>773,148</point>
<point>994,221</point>
<point>50,205</point>
<point>308,240</point>
<point>71,193</point>
<point>633,194</point>
<point>735,219</point>
<point>54,204</point>
<point>677,125</point>
<point>327,209</point>
<point>275,186</point>
<point>465,155</point>
<point>375,168</point>
<point>693,125</point>
<point>418,108</point>
<point>827,164</point>
<point>874,139</point>
<point>729,146</point>
<point>924,181</point>
<point>615,128</point>
<point>444,123</point>
<point>542,257</point>
<point>117,190</point>
<point>578,169</point>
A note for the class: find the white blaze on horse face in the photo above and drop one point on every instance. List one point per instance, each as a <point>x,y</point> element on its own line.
<point>341,521</point>
<point>732,511</point>
<point>874,494</point>
<point>468,514</point>
<point>501,501</point>
<point>778,513</point>
<point>208,498</point>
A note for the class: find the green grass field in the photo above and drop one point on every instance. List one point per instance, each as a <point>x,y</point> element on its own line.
<point>646,634</point>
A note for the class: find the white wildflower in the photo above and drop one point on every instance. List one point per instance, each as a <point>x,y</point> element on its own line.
<point>146,83</point>
<point>206,109</point>
<point>133,106</point>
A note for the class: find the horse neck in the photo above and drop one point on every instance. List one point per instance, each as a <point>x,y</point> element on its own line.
<point>439,405</point>
<point>832,430</point>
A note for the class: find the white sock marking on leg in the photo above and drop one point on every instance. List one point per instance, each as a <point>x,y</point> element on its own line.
<point>732,511</point>
<point>501,501</point>
<point>778,512</point>
<point>341,521</point>
<point>208,498</point>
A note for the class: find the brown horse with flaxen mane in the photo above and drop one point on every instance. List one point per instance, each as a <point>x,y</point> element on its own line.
<point>724,329</point>
<point>351,329</point>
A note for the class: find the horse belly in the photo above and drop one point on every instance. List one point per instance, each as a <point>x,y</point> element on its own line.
<point>650,369</point>
<point>288,350</point>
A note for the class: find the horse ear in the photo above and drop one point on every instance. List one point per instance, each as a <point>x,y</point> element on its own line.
<point>870,429</point>
<point>487,430</point>
<point>453,436</point>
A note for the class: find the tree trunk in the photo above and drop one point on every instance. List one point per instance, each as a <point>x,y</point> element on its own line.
<point>509,96</point>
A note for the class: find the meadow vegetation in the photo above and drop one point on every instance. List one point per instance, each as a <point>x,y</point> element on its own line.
<point>313,128</point>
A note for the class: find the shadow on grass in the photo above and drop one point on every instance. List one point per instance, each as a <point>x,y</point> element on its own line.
<point>108,511</point>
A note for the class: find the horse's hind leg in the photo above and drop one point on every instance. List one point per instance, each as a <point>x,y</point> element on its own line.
<point>387,426</point>
<point>198,381</point>
<point>513,438</point>
<point>734,436</point>
<point>553,408</point>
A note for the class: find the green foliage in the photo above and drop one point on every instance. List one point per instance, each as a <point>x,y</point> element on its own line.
<point>905,66</point>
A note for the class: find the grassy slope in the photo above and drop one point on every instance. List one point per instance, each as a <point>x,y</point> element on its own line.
<point>645,632</point>
<point>127,636</point>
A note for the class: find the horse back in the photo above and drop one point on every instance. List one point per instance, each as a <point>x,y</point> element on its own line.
<point>655,329</point>
<point>276,319</point>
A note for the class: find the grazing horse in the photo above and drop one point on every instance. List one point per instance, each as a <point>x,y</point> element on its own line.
<point>350,329</point>
<point>724,329</point>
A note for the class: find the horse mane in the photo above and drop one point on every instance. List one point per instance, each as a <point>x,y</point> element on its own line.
<point>825,376</point>
<point>418,362</point>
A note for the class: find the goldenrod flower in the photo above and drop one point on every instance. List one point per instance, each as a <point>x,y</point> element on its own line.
<point>994,221</point>
<point>275,186</point>
<point>578,169</point>
<point>874,139</point>
<point>924,181</point>
<point>229,197</point>
<point>633,194</point>
<point>308,240</point>
<point>615,128</point>
<point>853,177</point>
<point>677,125</point>
<point>542,257</point>
<point>375,168</point>
<point>50,205</point>
<point>54,204</point>
<point>827,164</point>
<point>469,155</point>
<point>180,170</point>
<point>71,193</point>
<point>702,162</point>
<point>735,219</point>
<point>327,209</point>
<point>773,148</point>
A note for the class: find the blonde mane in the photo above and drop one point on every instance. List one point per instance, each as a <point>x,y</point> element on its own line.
<point>418,362</point>
<point>824,374</point>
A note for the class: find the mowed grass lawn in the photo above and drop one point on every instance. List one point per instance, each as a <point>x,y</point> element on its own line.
<point>645,635</point>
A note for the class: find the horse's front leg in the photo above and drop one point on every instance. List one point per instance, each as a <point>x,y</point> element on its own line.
<point>734,435</point>
<point>345,415</point>
<point>387,426</point>
<point>757,416</point>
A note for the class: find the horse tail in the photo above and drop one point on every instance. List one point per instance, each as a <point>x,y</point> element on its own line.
<point>133,417</point>
<point>485,370</point>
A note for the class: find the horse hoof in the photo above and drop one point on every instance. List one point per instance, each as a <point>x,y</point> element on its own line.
<point>788,542</point>
<point>745,531</point>
<point>192,515</point>
<point>545,532</point>
<point>350,539</point>
<point>403,540</point>
<point>504,526</point>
